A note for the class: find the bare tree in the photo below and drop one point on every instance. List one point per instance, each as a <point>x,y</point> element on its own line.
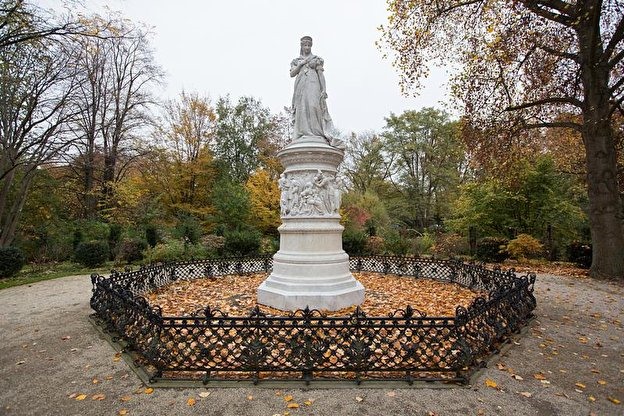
<point>37,82</point>
<point>117,73</point>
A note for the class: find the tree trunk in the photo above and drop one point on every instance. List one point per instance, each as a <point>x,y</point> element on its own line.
<point>605,204</point>
<point>10,221</point>
<point>108,179</point>
<point>90,197</point>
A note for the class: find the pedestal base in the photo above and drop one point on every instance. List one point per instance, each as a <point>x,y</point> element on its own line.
<point>311,269</point>
<point>317,282</point>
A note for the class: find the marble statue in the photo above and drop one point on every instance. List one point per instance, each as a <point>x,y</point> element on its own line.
<point>309,102</point>
<point>311,269</point>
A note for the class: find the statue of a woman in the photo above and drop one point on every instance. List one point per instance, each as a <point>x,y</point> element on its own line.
<point>309,105</point>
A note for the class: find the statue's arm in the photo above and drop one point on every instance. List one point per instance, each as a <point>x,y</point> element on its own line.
<point>320,71</point>
<point>295,66</point>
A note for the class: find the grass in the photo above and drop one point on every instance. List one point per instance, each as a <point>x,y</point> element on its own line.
<point>37,273</point>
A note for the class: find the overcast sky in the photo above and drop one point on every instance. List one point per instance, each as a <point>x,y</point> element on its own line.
<point>244,47</point>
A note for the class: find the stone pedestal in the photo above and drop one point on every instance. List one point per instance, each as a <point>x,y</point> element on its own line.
<point>310,269</point>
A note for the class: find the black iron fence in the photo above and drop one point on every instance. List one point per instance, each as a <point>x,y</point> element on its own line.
<point>307,345</point>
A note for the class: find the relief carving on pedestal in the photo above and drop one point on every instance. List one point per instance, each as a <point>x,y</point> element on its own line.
<point>309,194</point>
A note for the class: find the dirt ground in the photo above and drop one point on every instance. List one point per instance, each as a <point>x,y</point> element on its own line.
<point>569,362</point>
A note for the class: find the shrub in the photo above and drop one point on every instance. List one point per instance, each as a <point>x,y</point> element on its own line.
<point>580,253</point>
<point>269,245</point>
<point>92,253</point>
<point>354,242</point>
<point>214,244</point>
<point>450,245</point>
<point>423,244</point>
<point>375,245</point>
<point>114,237</point>
<point>174,250</point>
<point>396,244</point>
<point>492,249</point>
<point>242,242</point>
<point>131,250</point>
<point>11,261</point>
<point>188,228</point>
<point>525,246</point>
<point>151,235</point>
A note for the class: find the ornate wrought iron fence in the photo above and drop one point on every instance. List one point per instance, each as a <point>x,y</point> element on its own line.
<point>308,345</point>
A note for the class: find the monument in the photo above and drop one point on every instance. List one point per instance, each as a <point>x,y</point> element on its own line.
<point>310,269</point>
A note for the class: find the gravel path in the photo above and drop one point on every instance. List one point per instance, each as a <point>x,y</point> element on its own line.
<point>50,355</point>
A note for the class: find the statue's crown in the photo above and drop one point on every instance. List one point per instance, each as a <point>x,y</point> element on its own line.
<point>309,38</point>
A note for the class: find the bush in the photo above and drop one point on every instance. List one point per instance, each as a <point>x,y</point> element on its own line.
<point>242,242</point>
<point>397,245</point>
<point>131,250</point>
<point>354,242</point>
<point>174,250</point>
<point>151,235</point>
<point>423,244</point>
<point>188,229</point>
<point>92,253</point>
<point>525,246</point>
<point>269,245</point>
<point>214,244</point>
<point>11,261</point>
<point>375,246</point>
<point>114,237</point>
<point>492,249</point>
<point>580,253</point>
<point>450,245</point>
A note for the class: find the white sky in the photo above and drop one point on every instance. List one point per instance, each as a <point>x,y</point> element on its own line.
<point>244,47</point>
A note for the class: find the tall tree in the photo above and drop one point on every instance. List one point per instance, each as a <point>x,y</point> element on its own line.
<point>429,159</point>
<point>117,74</point>
<point>244,129</point>
<point>187,132</point>
<point>23,22</point>
<point>37,83</point>
<point>522,64</point>
<point>367,163</point>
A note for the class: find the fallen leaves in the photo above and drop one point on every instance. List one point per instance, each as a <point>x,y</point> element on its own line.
<point>98,397</point>
<point>491,383</point>
<point>191,401</point>
<point>613,400</point>
<point>236,295</point>
<point>148,390</point>
<point>525,394</point>
<point>81,397</point>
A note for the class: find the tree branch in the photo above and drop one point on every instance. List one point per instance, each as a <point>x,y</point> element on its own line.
<point>616,59</point>
<point>552,100</point>
<point>554,124</point>
<point>536,7</point>
<point>561,54</point>
<point>618,35</point>
<point>452,7</point>
<point>617,85</point>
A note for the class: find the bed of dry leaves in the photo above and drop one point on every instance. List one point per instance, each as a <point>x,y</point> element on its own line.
<point>236,295</point>
<point>556,268</point>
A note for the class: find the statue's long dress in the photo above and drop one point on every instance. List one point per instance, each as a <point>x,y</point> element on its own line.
<point>311,116</point>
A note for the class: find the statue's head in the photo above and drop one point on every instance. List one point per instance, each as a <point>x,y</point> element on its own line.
<point>306,42</point>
